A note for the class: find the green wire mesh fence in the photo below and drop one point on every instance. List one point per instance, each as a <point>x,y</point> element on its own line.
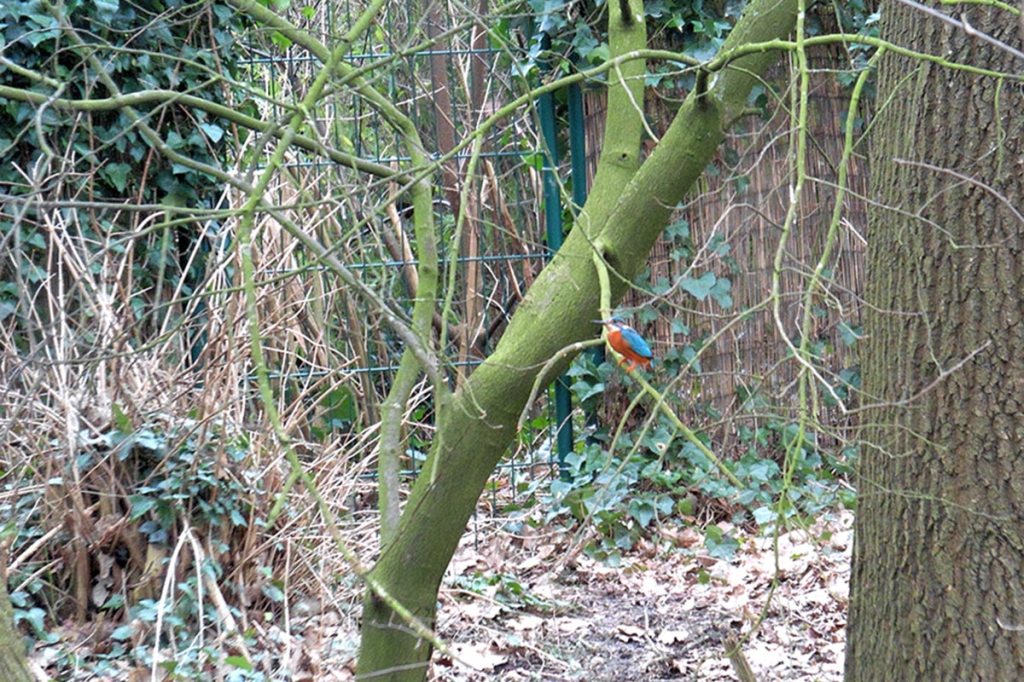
<point>447,74</point>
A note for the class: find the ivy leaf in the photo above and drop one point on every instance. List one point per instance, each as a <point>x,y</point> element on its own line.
<point>281,40</point>
<point>734,8</point>
<point>764,515</point>
<point>678,327</point>
<point>700,287</point>
<point>763,470</point>
<point>703,50</point>
<point>117,175</point>
<point>720,292</point>
<point>690,355</point>
<point>850,334</point>
<point>34,38</point>
<point>35,616</point>
<point>151,441</point>
<point>174,140</point>
<point>122,422</point>
<point>584,41</point>
<point>213,131</point>
<point>37,240</point>
<point>642,511</point>
<point>552,15</point>
<point>660,287</point>
<point>340,404</point>
<point>122,633</point>
<point>273,592</point>
<point>585,390</point>
<point>534,160</point>
<point>105,9</point>
<point>678,230</point>
<point>719,544</point>
<point>600,54</point>
<point>646,314</point>
<point>140,505</point>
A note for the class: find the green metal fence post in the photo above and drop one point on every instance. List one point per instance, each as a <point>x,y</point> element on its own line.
<point>580,187</point>
<point>577,145</point>
<point>553,228</point>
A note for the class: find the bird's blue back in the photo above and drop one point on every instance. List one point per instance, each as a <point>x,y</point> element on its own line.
<point>636,342</point>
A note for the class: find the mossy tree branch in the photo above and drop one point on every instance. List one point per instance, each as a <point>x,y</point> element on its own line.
<point>557,311</point>
<point>624,123</point>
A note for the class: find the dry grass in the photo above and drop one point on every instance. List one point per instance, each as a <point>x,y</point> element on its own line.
<point>81,366</point>
<point>137,464</point>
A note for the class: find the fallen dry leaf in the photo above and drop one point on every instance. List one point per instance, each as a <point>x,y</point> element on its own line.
<point>670,637</point>
<point>525,623</point>
<point>537,558</point>
<point>480,657</point>
<point>571,625</point>
<point>629,633</point>
<point>478,609</point>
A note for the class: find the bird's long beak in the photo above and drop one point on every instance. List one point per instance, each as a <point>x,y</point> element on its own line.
<point>601,321</point>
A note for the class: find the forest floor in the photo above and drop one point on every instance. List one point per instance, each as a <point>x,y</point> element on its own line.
<point>521,603</point>
<point>534,607</point>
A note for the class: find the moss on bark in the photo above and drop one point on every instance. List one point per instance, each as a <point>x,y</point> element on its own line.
<point>13,663</point>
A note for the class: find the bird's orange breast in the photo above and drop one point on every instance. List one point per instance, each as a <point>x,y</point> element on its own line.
<point>623,348</point>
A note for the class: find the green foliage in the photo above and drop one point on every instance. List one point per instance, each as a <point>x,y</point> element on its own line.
<point>101,156</point>
<point>505,589</point>
<point>653,476</point>
<point>182,477</point>
<point>124,651</point>
<point>588,381</point>
<point>706,285</point>
<point>623,495</point>
<point>143,46</point>
<point>719,543</point>
<point>564,33</point>
<point>699,28</point>
<point>339,412</point>
<point>861,17</point>
<point>168,475</point>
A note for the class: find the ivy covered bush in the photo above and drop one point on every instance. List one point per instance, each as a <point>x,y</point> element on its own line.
<point>73,168</point>
<point>104,243</point>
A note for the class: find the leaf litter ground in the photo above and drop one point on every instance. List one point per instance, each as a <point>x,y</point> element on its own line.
<point>534,607</point>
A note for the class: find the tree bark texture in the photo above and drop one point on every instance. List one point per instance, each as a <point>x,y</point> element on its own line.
<point>13,663</point>
<point>479,423</point>
<point>937,589</point>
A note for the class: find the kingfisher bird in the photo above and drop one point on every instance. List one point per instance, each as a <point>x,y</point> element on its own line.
<point>625,341</point>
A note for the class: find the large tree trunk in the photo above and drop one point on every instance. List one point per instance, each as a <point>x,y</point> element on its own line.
<point>937,588</point>
<point>559,309</point>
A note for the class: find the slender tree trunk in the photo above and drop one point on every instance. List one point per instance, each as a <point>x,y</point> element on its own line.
<point>13,664</point>
<point>559,309</point>
<point>937,588</point>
